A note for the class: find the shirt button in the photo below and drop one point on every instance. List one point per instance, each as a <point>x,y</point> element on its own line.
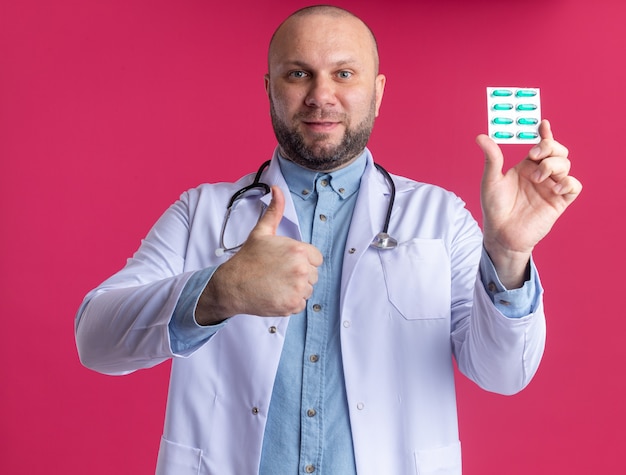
<point>272,329</point>
<point>505,302</point>
<point>305,192</point>
<point>346,323</point>
<point>317,307</point>
<point>342,190</point>
<point>323,217</point>
<point>324,182</point>
<point>255,410</point>
<point>314,358</point>
<point>309,468</point>
<point>492,287</point>
<point>360,406</point>
<point>351,250</point>
<point>311,413</point>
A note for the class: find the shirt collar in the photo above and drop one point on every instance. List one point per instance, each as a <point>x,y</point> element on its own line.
<point>345,181</point>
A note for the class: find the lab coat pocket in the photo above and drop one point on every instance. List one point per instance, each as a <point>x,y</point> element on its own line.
<point>439,461</point>
<point>417,276</point>
<point>178,459</point>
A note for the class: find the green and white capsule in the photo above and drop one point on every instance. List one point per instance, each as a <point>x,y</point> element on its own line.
<point>527,121</point>
<point>502,121</point>
<point>503,135</point>
<point>526,107</point>
<point>526,93</point>
<point>501,93</point>
<point>527,135</point>
<point>502,107</point>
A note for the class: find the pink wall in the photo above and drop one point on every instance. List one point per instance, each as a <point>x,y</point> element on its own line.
<point>109,109</point>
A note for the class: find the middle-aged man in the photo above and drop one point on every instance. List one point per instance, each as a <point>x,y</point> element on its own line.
<point>298,347</point>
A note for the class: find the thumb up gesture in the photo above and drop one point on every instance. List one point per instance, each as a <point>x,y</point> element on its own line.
<point>269,276</point>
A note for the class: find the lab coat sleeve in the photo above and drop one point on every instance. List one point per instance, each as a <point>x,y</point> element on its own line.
<point>122,325</point>
<point>498,353</point>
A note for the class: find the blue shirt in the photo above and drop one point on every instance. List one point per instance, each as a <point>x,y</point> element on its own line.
<point>309,401</point>
<point>308,428</point>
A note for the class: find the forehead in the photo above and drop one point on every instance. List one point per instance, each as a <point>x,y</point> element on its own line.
<point>322,38</point>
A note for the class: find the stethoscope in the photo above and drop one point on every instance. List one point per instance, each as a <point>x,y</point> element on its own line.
<point>381,241</point>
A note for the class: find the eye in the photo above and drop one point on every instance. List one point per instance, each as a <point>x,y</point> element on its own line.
<point>344,74</point>
<point>297,74</point>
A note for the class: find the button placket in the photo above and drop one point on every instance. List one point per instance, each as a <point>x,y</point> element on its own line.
<point>316,333</point>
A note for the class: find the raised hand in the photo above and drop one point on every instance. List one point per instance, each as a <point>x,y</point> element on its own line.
<point>521,206</point>
<point>269,276</point>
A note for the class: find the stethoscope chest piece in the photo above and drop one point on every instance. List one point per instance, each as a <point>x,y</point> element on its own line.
<point>384,241</point>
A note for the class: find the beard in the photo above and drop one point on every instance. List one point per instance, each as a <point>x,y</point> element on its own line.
<point>319,155</point>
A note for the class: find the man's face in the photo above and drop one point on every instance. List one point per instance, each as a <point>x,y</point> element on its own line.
<point>324,89</point>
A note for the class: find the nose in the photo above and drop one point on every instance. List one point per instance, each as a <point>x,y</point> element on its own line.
<point>321,92</point>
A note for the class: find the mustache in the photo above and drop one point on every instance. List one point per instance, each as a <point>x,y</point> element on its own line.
<point>320,116</point>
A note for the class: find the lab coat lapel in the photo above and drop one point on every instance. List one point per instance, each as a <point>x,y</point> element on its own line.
<point>367,221</point>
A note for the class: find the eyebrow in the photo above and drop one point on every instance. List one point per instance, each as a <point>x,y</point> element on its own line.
<point>304,65</point>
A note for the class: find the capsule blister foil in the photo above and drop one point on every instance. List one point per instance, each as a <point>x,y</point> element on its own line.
<point>514,114</point>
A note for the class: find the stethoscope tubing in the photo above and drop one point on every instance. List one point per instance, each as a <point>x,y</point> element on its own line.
<point>382,240</point>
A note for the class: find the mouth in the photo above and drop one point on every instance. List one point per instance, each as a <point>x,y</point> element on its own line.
<point>320,126</point>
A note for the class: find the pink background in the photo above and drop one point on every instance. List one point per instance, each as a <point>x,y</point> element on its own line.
<point>110,109</point>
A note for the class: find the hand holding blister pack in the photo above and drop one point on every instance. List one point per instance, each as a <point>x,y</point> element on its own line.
<point>514,114</point>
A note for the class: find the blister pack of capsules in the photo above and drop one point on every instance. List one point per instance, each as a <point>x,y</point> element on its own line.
<point>514,114</point>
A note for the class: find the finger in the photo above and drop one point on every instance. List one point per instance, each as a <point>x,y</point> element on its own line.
<point>547,146</point>
<point>315,256</point>
<point>268,224</point>
<point>545,130</point>
<point>494,160</point>
<point>555,168</point>
<point>569,187</point>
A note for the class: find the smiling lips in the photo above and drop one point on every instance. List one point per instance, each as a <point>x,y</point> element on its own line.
<point>320,121</point>
<point>320,126</point>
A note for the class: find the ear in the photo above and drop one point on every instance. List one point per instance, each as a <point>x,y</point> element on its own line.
<point>380,89</point>
<point>267,84</point>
